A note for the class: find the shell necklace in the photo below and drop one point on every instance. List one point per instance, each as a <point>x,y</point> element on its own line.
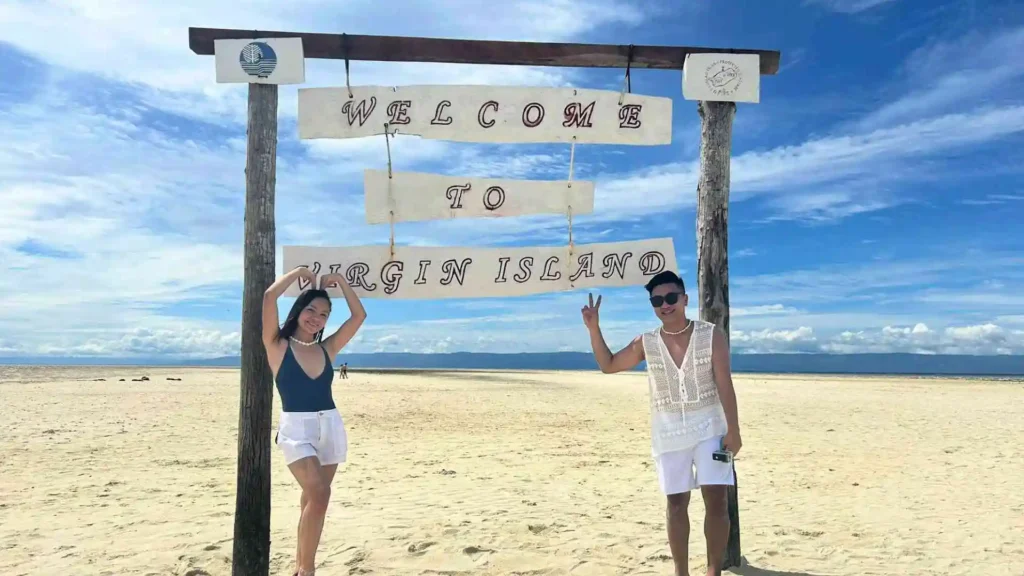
<point>688,324</point>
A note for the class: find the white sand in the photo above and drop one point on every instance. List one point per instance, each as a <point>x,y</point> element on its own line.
<point>512,473</point>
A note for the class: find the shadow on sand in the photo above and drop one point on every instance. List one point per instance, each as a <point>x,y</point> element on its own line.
<point>752,571</point>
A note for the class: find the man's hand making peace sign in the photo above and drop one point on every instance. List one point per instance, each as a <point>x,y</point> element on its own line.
<point>590,313</point>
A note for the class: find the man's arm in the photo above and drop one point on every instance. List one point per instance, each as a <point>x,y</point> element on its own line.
<point>625,359</point>
<point>726,392</point>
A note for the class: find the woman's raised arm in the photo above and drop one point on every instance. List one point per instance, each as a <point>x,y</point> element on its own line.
<point>271,323</point>
<point>335,342</point>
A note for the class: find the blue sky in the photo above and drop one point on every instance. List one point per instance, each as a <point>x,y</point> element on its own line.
<point>876,189</point>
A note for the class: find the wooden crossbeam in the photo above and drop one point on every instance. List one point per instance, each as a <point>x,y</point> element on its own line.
<point>455,51</point>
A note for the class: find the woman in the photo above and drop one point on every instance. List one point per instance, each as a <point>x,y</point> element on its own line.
<point>311,433</point>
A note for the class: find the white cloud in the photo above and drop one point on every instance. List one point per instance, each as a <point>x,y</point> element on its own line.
<point>765,341</point>
<point>848,6</point>
<point>876,282</point>
<point>387,343</point>
<point>942,76</point>
<point>978,339</point>
<point>124,219</point>
<point>953,95</point>
<point>568,334</point>
<point>828,177</point>
<point>169,338</point>
<point>122,216</point>
<point>130,236</point>
<point>146,44</point>
<point>175,343</point>
<point>764,310</point>
<point>993,200</point>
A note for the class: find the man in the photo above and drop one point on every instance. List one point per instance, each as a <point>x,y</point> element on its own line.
<point>693,412</point>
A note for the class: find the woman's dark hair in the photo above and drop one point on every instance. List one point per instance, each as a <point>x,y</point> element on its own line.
<point>292,321</point>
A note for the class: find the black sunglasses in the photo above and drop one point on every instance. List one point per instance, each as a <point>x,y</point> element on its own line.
<point>671,298</point>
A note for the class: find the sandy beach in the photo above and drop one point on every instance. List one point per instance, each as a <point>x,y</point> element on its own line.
<point>512,473</point>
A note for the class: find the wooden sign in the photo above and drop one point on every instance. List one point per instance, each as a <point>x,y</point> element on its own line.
<point>509,114</point>
<point>416,196</point>
<point>260,61</point>
<point>722,77</point>
<point>418,272</point>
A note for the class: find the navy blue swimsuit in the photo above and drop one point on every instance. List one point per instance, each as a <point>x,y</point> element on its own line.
<point>299,392</point>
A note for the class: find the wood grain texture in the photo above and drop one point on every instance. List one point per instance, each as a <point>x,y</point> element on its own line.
<point>418,196</point>
<point>472,113</point>
<point>713,250</point>
<point>457,51</point>
<point>435,272</point>
<point>251,554</point>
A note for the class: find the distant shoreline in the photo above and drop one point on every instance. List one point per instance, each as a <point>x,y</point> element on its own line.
<point>812,365</point>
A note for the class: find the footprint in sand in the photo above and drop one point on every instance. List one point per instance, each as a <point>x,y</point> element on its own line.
<point>537,528</point>
<point>358,558</point>
<point>475,552</point>
<point>185,566</point>
<point>418,548</point>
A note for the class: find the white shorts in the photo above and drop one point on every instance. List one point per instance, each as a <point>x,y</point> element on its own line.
<point>681,471</point>
<point>320,434</point>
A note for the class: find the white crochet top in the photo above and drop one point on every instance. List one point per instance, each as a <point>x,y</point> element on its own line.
<point>685,408</point>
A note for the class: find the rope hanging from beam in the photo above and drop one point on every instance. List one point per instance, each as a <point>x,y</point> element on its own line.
<point>391,200</point>
<point>344,50</point>
<point>627,83</point>
<point>572,161</point>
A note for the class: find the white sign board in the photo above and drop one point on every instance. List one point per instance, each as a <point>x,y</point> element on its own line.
<point>417,196</point>
<point>509,114</point>
<point>722,77</point>
<point>418,272</point>
<point>260,61</point>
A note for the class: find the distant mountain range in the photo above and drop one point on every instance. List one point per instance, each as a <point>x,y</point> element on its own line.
<point>911,364</point>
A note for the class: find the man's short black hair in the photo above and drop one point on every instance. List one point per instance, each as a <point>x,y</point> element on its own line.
<point>666,277</point>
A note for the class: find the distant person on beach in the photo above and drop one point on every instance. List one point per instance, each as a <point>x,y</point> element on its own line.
<point>311,432</point>
<point>344,370</point>
<point>694,423</point>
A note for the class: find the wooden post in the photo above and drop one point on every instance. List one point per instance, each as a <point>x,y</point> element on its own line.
<point>713,249</point>
<point>251,550</point>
